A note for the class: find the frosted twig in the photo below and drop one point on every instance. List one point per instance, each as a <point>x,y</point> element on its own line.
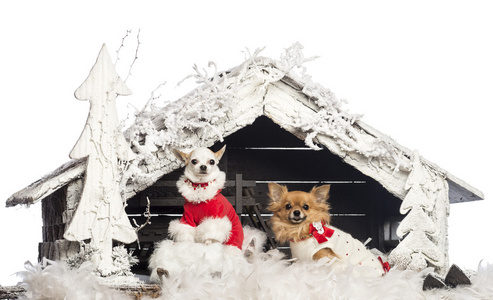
<point>153,96</point>
<point>203,78</point>
<point>121,46</point>
<point>147,214</point>
<point>124,121</point>
<point>135,57</point>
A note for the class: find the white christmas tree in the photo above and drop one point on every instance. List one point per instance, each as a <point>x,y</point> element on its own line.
<point>100,214</point>
<point>416,250</point>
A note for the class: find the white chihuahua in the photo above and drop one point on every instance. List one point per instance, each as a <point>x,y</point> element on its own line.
<point>208,216</point>
<point>208,219</point>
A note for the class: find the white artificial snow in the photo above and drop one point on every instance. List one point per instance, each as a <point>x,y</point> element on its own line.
<point>206,259</point>
<point>198,258</point>
<point>56,280</point>
<point>121,260</point>
<point>267,276</point>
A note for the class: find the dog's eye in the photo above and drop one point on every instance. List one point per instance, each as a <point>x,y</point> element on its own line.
<point>306,207</point>
<point>288,206</point>
<point>194,161</point>
<point>212,162</point>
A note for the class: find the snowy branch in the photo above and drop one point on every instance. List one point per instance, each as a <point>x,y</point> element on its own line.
<point>121,46</point>
<point>135,57</point>
<point>147,214</point>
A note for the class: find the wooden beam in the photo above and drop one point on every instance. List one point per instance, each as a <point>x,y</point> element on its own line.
<point>11,292</point>
<point>239,194</point>
<point>229,183</point>
<point>179,201</point>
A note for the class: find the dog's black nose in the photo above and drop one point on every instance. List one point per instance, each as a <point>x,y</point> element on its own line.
<point>296,213</point>
<point>203,167</point>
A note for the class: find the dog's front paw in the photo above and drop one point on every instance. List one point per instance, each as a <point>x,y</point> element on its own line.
<point>162,273</point>
<point>250,250</point>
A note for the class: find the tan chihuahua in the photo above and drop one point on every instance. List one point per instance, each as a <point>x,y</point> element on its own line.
<point>303,219</point>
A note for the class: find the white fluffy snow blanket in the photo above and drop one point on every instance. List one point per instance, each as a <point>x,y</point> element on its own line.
<point>55,280</point>
<point>272,277</point>
<point>268,276</point>
<point>197,258</point>
<point>201,259</point>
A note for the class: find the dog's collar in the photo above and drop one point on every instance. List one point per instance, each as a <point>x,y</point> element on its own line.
<point>196,185</point>
<point>319,231</point>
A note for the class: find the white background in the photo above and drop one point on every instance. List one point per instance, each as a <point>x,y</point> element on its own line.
<point>421,72</point>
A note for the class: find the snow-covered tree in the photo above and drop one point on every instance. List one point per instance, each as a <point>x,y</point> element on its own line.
<point>100,215</point>
<point>417,250</point>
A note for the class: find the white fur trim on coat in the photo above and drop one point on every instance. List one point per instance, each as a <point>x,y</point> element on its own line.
<point>200,194</point>
<point>216,229</point>
<point>180,232</point>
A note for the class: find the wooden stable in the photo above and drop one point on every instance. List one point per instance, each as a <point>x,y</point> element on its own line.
<point>263,152</point>
<point>264,115</point>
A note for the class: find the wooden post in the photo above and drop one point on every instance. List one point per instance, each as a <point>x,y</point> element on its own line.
<point>239,194</point>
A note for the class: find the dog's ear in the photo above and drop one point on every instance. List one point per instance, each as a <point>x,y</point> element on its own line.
<point>321,193</point>
<point>220,153</point>
<point>276,191</point>
<point>181,156</point>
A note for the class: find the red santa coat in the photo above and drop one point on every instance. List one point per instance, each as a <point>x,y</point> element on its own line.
<point>210,211</point>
